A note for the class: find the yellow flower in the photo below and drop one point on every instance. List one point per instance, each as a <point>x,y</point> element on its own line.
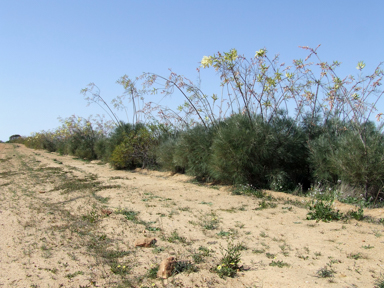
<point>260,53</point>
<point>123,267</point>
<point>118,266</point>
<point>360,65</point>
<point>219,267</point>
<point>206,61</point>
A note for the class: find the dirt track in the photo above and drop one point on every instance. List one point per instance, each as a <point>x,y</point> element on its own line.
<point>56,231</point>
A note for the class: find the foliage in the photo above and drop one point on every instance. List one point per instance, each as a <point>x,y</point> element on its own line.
<point>192,151</point>
<point>321,210</point>
<point>136,149</point>
<point>259,153</point>
<point>279,264</point>
<point>326,272</point>
<point>229,263</point>
<point>351,153</point>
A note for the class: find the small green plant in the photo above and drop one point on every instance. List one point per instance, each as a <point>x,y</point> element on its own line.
<point>91,217</point>
<point>223,233</point>
<point>270,255</point>
<point>367,246</point>
<point>198,257</point>
<point>377,233</point>
<point>358,215</point>
<point>210,221</point>
<point>72,275</point>
<point>206,203</point>
<point>279,264</point>
<point>129,215</point>
<point>356,256</point>
<point>184,266</point>
<point>119,269</point>
<point>175,237</point>
<point>229,263</point>
<point>320,210</point>
<point>157,250</point>
<point>284,249</point>
<point>258,251</point>
<point>264,205</point>
<point>152,272</point>
<point>326,272</point>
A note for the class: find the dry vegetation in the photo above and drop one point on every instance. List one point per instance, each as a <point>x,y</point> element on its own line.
<point>57,231</point>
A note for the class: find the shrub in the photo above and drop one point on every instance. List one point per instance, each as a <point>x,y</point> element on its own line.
<point>192,151</point>
<point>165,155</point>
<point>135,150</point>
<point>264,154</point>
<point>321,210</point>
<point>229,263</point>
<point>350,152</point>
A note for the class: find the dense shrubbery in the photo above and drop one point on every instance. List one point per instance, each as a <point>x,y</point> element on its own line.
<point>248,136</point>
<point>279,154</point>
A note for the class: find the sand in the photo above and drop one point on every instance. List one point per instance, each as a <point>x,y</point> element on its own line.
<point>55,231</point>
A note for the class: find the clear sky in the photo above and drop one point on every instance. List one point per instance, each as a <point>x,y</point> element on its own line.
<point>50,50</point>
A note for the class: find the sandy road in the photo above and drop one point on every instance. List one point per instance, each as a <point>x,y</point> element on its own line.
<point>54,233</point>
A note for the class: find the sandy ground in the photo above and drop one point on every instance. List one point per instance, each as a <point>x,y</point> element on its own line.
<point>55,230</point>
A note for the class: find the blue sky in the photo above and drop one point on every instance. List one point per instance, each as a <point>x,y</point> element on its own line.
<point>50,50</point>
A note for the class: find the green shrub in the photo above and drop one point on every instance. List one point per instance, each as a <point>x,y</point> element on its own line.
<point>165,155</point>
<point>321,210</point>
<point>137,149</point>
<point>352,153</point>
<point>265,154</point>
<point>101,148</point>
<point>193,152</point>
<point>229,263</point>
<point>81,144</point>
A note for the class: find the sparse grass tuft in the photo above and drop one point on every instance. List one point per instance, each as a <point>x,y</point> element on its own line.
<point>199,256</point>
<point>326,272</point>
<point>175,237</point>
<point>72,275</point>
<point>264,205</point>
<point>279,264</point>
<point>210,221</point>
<point>356,256</point>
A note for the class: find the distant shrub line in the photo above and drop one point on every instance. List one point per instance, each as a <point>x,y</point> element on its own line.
<point>281,154</point>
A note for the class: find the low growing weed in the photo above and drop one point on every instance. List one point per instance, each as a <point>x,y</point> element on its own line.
<point>229,263</point>
<point>199,256</point>
<point>175,237</point>
<point>326,272</point>
<point>321,210</point>
<point>184,266</point>
<point>210,221</point>
<point>120,269</point>
<point>264,205</point>
<point>279,264</point>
